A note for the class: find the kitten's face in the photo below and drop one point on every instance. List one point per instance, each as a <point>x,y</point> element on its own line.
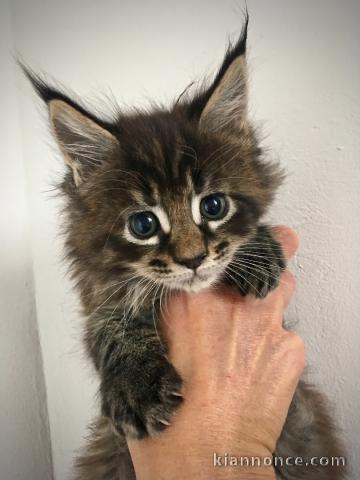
<point>162,199</point>
<point>184,232</point>
<point>173,205</point>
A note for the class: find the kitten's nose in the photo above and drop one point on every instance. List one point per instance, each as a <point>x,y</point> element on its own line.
<point>194,262</point>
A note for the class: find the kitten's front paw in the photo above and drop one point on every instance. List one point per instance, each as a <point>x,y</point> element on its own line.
<point>257,266</point>
<point>144,404</point>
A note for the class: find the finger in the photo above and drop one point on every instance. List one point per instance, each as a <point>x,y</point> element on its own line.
<point>288,239</point>
<point>286,288</point>
<point>275,302</point>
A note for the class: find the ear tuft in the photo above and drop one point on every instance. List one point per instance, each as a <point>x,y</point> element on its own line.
<point>85,140</point>
<point>223,106</point>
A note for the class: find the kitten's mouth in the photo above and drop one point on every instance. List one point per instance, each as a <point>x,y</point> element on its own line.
<point>196,280</point>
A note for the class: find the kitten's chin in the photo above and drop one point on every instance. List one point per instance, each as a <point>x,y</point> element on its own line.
<point>196,282</point>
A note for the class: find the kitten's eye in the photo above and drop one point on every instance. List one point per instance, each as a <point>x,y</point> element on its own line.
<point>143,225</point>
<point>214,207</point>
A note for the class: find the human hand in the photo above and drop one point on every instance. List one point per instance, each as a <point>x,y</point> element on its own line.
<point>240,370</point>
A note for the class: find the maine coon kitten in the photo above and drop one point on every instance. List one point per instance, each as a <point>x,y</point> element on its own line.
<point>164,201</point>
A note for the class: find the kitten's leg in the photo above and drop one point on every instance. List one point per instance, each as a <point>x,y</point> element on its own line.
<point>257,265</point>
<point>308,433</point>
<point>140,389</point>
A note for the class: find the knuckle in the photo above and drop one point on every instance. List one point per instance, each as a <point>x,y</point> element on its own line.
<point>294,340</point>
<point>295,346</point>
<point>289,279</point>
<point>284,291</point>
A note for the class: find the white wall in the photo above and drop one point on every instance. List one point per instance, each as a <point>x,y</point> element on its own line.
<point>25,452</point>
<point>305,75</point>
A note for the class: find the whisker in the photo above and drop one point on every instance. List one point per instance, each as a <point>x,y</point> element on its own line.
<point>254,255</point>
<point>242,276</point>
<point>105,301</point>
<point>257,268</point>
<point>153,311</point>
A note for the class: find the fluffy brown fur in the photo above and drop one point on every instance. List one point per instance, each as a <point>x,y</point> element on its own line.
<point>158,202</point>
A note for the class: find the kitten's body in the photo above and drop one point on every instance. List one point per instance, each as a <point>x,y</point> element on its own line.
<point>163,201</point>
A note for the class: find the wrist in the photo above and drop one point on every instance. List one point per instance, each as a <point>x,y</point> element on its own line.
<point>179,461</point>
<point>243,465</point>
<point>200,471</point>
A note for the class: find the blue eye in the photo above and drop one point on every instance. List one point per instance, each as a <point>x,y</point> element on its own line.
<point>213,207</point>
<point>143,225</point>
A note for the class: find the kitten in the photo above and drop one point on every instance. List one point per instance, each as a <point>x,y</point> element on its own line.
<point>165,201</point>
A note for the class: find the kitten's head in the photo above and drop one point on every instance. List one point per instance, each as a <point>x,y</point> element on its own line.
<point>166,197</point>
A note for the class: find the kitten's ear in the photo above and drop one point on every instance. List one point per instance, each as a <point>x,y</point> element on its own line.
<point>85,141</point>
<point>223,106</point>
